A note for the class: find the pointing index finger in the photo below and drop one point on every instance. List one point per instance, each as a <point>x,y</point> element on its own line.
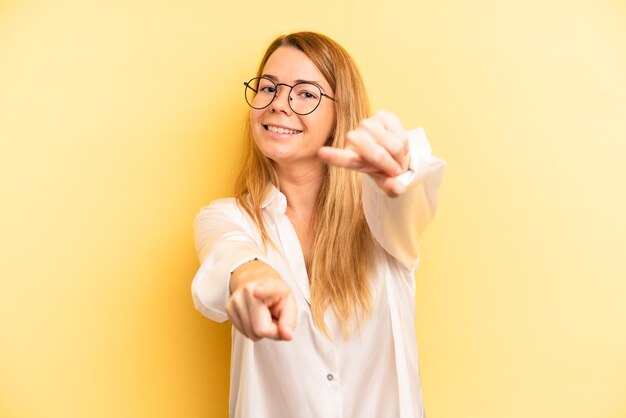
<point>346,158</point>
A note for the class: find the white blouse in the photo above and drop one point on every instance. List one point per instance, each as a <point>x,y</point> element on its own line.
<point>375,373</point>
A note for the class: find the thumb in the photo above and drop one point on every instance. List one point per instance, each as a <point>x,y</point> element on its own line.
<point>390,185</point>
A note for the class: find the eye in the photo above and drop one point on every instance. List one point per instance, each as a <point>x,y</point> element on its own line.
<point>267,89</point>
<point>306,91</point>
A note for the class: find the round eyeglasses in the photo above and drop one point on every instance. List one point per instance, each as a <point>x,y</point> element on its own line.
<point>304,97</point>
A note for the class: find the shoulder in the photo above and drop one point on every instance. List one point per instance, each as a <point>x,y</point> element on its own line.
<point>224,208</point>
<point>224,204</point>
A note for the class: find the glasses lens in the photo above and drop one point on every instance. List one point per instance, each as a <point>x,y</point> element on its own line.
<point>260,92</point>
<point>305,97</point>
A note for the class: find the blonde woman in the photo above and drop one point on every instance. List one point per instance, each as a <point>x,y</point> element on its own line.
<point>312,261</point>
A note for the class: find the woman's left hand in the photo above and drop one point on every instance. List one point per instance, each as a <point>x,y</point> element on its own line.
<point>379,146</point>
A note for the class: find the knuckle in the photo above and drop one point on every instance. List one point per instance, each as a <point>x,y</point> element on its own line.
<point>352,136</point>
<point>258,331</point>
<point>234,300</point>
<point>383,114</point>
<point>373,125</point>
<point>378,155</point>
<point>367,123</point>
<point>247,289</point>
<point>396,147</point>
<point>248,331</point>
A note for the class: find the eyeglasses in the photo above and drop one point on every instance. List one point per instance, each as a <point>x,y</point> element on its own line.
<point>304,97</point>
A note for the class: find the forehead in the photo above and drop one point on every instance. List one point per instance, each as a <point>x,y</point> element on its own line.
<point>289,64</point>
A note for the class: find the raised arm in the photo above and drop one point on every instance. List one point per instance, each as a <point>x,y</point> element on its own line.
<point>397,223</point>
<point>234,280</point>
<point>400,190</point>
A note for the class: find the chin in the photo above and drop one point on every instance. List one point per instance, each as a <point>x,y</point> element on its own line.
<point>274,151</point>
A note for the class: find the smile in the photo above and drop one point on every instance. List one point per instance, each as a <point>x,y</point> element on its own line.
<point>280,130</point>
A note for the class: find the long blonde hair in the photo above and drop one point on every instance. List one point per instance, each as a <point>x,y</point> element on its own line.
<point>341,252</point>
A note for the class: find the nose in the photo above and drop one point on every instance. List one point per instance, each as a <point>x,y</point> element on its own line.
<point>281,101</point>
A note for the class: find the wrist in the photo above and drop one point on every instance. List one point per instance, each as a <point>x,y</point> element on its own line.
<point>248,272</point>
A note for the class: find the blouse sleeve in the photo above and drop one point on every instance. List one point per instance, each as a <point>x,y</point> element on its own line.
<point>223,244</point>
<point>398,223</point>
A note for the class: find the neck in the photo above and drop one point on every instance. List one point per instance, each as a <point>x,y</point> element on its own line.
<point>300,185</point>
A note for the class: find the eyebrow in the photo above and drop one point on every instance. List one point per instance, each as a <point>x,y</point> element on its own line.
<point>275,79</point>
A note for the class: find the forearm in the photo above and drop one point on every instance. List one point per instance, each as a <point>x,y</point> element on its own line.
<point>398,223</point>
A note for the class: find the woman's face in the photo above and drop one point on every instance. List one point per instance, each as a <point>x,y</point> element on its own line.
<point>281,134</point>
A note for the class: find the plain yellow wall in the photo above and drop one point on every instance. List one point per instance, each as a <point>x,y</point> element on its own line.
<point>120,119</point>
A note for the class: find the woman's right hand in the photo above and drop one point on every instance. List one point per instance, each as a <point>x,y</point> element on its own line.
<point>261,304</point>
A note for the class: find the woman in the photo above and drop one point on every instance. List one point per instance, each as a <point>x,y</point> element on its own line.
<point>312,261</point>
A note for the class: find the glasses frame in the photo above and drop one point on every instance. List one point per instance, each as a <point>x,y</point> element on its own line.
<point>248,86</point>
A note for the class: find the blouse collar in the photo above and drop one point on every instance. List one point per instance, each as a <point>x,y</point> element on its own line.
<point>274,200</point>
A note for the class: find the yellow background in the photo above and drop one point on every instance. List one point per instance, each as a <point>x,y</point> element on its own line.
<point>120,119</point>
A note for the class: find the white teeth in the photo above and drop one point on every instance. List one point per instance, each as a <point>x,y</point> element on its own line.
<point>281,130</point>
